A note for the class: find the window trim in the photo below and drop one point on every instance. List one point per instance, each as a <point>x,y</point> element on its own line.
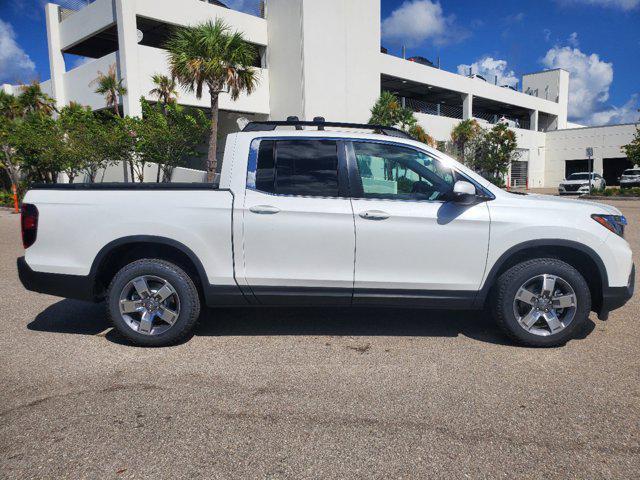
<point>252,165</point>
<point>348,174</point>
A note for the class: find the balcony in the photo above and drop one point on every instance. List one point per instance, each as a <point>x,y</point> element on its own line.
<point>151,61</point>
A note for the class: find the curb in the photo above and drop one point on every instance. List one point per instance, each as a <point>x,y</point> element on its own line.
<point>617,199</point>
<point>6,209</point>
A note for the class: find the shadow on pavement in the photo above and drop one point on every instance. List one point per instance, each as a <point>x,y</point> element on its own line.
<point>81,318</point>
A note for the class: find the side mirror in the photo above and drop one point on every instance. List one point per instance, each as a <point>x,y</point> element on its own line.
<point>464,192</point>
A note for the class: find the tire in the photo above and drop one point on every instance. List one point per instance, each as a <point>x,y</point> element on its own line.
<point>514,306</point>
<point>165,315</point>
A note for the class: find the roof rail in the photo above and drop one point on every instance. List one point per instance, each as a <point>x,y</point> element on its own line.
<point>320,123</point>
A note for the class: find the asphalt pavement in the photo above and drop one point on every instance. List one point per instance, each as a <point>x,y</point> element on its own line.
<point>312,393</point>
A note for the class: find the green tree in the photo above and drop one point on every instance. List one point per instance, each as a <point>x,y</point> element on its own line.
<point>9,159</point>
<point>165,88</point>
<point>388,112</point>
<point>211,56</point>
<point>169,136</point>
<point>10,106</point>
<point>33,100</point>
<point>87,141</point>
<point>37,142</point>
<point>111,87</point>
<point>495,151</point>
<point>463,137</point>
<point>632,150</point>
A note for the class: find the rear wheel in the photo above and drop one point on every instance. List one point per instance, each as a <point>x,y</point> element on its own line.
<point>153,303</point>
<point>542,302</point>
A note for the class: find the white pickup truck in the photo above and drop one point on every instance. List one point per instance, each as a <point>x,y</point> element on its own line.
<point>327,217</point>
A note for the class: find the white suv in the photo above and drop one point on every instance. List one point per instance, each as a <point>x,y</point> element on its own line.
<point>321,217</point>
<point>578,183</point>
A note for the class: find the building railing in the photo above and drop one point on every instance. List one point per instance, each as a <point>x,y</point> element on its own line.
<point>439,109</point>
<point>494,119</point>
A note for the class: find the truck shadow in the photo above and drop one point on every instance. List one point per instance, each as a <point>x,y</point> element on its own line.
<point>80,318</point>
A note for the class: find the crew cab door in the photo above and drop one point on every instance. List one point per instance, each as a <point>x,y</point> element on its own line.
<point>413,245</point>
<point>299,238</point>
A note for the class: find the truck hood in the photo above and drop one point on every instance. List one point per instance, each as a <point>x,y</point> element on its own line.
<point>568,204</point>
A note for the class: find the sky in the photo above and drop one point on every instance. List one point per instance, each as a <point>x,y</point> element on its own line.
<point>597,41</point>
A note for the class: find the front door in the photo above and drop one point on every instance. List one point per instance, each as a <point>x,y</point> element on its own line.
<point>413,245</point>
<point>299,238</point>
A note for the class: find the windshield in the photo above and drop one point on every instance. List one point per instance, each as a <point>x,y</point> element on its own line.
<point>632,172</point>
<point>579,176</point>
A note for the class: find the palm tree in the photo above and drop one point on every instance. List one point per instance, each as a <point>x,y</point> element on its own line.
<point>165,88</point>
<point>463,135</point>
<point>32,99</point>
<point>111,87</point>
<point>211,55</point>
<point>10,106</point>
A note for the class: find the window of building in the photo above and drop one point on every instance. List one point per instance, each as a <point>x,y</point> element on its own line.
<point>298,167</point>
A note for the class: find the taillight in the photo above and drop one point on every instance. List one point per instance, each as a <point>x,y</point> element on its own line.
<point>29,223</point>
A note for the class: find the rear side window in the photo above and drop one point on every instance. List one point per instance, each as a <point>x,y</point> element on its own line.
<point>298,167</point>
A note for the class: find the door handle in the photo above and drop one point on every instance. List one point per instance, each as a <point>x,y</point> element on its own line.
<point>374,215</point>
<point>264,209</point>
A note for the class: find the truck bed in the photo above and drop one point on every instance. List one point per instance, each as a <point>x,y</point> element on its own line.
<point>77,221</point>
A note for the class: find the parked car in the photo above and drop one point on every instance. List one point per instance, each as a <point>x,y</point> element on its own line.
<point>630,178</point>
<point>578,183</point>
<point>478,77</point>
<point>511,87</point>
<point>306,217</point>
<point>421,60</point>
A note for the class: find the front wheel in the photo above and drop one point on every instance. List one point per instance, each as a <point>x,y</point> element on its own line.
<point>153,303</point>
<point>542,302</point>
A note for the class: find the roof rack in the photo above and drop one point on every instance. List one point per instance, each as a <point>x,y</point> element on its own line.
<point>321,123</point>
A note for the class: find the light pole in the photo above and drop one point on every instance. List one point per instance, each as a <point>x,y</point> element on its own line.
<point>590,155</point>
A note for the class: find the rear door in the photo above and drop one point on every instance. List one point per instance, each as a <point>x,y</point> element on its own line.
<point>299,238</point>
<point>413,245</point>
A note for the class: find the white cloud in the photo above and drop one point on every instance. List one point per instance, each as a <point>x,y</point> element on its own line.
<point>589,85</point>
<point>15,64</point>
<point>620,4</point>
<point>491,68</point>
<point>590,79</point>
<point>573,39</point>
<point>416,21</point>
<point>514,18</point>
<point>628,113</point>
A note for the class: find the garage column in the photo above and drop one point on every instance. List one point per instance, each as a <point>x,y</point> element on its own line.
<point>128,56</point>
<point>56,59</point>
<point>533,120</point>
<point>467,106</point>
<point>598,164</point>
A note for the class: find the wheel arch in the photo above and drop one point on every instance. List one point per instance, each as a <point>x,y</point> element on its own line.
<point>581,257</point>
<point>122,251</point>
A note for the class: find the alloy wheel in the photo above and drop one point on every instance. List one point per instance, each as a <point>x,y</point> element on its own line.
<point>149,305</point>
<point>545,305</point>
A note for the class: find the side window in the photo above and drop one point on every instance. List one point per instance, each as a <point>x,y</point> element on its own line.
<point>389,171</point>
<point>266,169</point>
<point>298,167</point>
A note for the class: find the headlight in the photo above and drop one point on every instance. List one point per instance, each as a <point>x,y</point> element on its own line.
<point>615,223</point>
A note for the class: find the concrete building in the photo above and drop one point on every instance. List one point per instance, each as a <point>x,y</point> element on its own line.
<point>320,58</point>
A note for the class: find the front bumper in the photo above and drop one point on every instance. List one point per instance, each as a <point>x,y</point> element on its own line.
<point>57,284</point>
<point>631,184</point>
<point>573,189</point>
<point>615,297</point>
